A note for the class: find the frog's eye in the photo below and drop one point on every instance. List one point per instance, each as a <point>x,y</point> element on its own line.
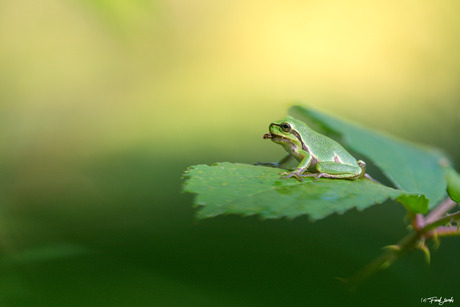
<point>286,127</point>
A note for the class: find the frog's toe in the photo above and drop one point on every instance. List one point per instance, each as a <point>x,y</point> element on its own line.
<point>287,175</point>
<point>309,175</point>
<point>319,176</point>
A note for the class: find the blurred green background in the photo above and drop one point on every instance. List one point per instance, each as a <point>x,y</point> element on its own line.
<point>104,103</point>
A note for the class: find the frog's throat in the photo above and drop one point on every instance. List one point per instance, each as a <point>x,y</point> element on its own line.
<point>288,144</point>
<point>284,140</point>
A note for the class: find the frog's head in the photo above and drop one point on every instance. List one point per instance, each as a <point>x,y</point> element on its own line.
<point>284,132</point>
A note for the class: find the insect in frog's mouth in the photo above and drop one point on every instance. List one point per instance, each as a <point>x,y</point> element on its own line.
<point>274,137</point>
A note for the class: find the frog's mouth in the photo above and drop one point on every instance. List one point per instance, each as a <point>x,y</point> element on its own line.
<point>275,137</point>
<point>268,136</point>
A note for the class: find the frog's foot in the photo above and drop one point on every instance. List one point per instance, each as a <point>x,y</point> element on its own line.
<point>291,174</point>
<point>316,175</point>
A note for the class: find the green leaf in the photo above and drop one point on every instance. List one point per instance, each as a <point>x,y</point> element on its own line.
<point>410,167</point>
<point>227,188</point>
<point>453,184</point>
<point>414,203</point>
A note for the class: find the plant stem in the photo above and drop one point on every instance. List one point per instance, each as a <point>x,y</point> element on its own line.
<point>442,221</point>
<point>425,228</point>
<point>440,210</point>
<point>384,260</point>
<point>442,232</point>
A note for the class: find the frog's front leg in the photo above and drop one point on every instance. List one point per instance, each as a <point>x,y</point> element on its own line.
<point>303,166</point>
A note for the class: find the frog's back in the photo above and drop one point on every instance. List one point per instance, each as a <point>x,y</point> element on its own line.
<point>323,147</point>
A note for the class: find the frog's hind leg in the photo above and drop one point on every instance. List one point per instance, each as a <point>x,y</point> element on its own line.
<point>329,169</point>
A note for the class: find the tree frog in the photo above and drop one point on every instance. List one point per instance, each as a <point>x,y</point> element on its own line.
<point>318,155</point>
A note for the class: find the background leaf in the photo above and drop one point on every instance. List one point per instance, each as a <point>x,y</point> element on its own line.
<point>453,184</point>
<point>410,167</point>
<point>227,188</point>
